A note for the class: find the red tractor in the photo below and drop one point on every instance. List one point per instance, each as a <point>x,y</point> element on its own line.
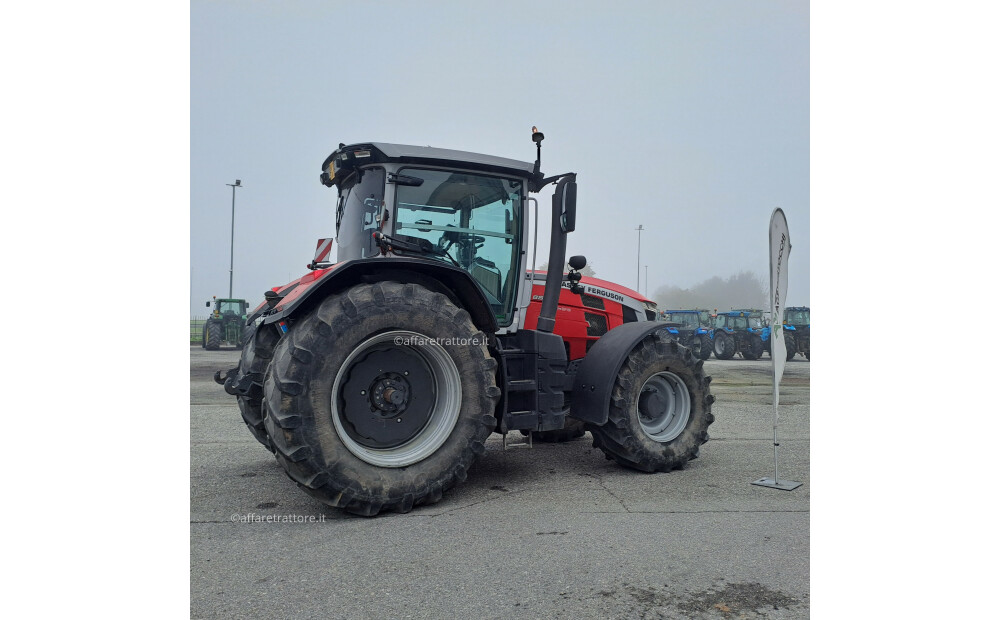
<point>375,380</point>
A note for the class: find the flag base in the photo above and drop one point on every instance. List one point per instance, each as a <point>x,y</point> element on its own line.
<point>784,485</point>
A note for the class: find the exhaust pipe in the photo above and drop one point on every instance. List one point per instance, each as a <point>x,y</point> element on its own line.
<point>563,221</point>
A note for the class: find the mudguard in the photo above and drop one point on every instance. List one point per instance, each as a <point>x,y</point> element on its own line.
<point>596,375</point>
<point>308,291</point>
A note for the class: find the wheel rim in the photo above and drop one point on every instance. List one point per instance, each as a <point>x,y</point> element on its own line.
<point>720,345</point>
<point>396,399</point>
<point>663,407</point>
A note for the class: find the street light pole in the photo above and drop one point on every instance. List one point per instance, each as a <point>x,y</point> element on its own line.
<point>638,249</point>
<point>232,236</point>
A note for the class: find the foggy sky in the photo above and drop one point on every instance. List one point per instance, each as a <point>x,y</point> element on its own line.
<point>690,118</point>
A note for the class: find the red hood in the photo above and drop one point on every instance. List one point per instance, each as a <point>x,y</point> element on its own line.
<point>611,286</point>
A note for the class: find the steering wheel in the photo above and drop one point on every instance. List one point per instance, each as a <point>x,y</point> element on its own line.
<point>461,238</point>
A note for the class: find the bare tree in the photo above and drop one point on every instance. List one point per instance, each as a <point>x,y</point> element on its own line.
<point>742,290</point>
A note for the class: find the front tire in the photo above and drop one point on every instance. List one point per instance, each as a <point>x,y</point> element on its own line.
<point>660,410</point>
<point>706,347</point>
<point>756,348</point>
<point>381,398</point>
<point>789,348</point>
<point>254,360</point>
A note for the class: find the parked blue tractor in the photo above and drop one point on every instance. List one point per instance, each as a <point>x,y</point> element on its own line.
<point>690,328</point>
<point>796,328</point>
<point>739,331</point>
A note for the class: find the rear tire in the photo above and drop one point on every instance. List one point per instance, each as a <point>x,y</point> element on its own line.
<point>725,346</point>
<point>204,335</point>
<point>789,348</point>
<point>213,336</point>
<point>660,409</point>
<point>254,360</point>
<point>336,376</point>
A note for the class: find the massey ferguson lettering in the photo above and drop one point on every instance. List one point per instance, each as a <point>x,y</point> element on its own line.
<point>608,294</point>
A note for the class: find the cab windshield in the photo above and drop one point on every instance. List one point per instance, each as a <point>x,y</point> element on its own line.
<point>686,319</point>
<point>797,317</point>
<point>475,220</point>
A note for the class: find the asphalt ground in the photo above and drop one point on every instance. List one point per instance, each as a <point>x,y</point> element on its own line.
<point>554,531</point>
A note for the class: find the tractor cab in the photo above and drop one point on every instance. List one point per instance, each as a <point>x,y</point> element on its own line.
<point>460,209</point>
<point>685,318</point>
<point>797,317</point>
<point>705,318</point>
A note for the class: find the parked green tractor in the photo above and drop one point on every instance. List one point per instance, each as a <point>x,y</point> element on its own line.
<point>226,324</point>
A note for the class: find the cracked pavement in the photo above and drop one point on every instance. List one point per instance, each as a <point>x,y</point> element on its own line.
<point>554,531</point>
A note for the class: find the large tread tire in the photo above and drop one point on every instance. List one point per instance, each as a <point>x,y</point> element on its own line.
<point>245,335</point>
<point>574,429</point>
<point>725,346</point>
<point>254,360</point>
<point>204,335</point>
<point>213,337</point>
<point>300,380</point>
<point>756,348</point>
<point>706,347</point>
<point>789,348</point>
<point>622,437</point>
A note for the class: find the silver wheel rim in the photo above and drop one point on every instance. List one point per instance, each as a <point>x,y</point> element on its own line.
<point>720,344</point>
<point>663,407</point>
<point>448,404</point>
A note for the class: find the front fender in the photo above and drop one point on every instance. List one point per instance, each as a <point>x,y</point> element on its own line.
<point>596,375</point>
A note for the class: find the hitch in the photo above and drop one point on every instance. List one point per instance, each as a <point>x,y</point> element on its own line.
<point>236,384</point>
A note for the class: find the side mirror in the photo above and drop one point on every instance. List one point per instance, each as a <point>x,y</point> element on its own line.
<point>567,219</point>
<point>208,304</point>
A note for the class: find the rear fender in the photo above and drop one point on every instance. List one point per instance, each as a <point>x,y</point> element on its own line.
<point>299,297</point>
<point>596,375</point>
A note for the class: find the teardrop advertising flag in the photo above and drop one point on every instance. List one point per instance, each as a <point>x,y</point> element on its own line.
<point>781,247</point>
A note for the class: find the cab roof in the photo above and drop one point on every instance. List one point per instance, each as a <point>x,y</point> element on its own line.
<point>384,152</point>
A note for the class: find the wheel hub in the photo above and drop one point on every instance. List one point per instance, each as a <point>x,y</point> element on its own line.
<point>387,397</point>
<point>664,406</point>
<point>390,394</point>
<point>394,404</point>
